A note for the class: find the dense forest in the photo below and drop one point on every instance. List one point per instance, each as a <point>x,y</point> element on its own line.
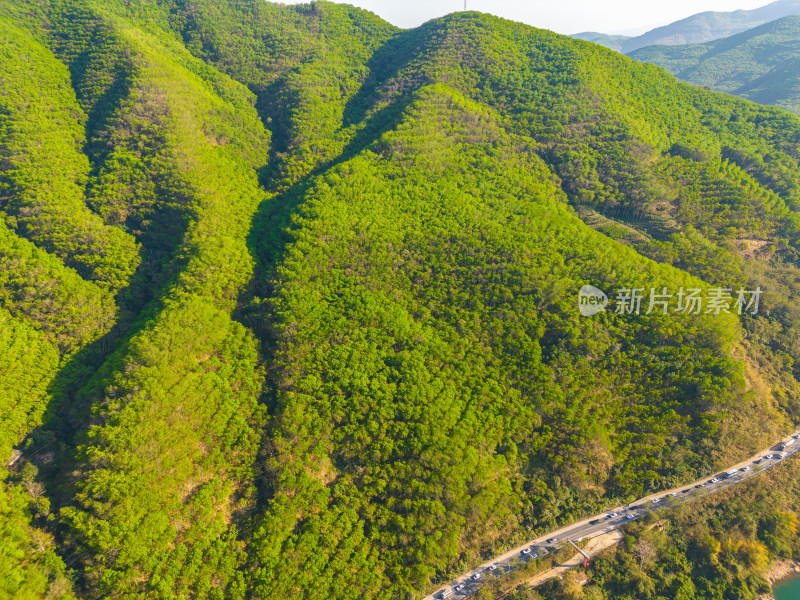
<point>288,305</point>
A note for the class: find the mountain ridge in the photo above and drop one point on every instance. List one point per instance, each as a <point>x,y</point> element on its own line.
<point>345,357</point>
<point>757,64</point>
<point>698,28</point>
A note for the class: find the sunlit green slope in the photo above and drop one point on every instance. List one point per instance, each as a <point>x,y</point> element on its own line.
<point>303,289</point>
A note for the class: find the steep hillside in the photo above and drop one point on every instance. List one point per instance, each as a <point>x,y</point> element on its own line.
<point>760,64</point>
<point>304,291</point>
<point>698,29</point>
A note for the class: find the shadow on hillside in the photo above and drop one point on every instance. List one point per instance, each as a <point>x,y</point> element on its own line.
<point>270,235</point>
<point>72,391</point>
<point>270,229</point>
<point>384,65</point>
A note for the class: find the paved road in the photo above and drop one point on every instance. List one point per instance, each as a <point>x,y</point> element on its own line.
<point>469,583</point>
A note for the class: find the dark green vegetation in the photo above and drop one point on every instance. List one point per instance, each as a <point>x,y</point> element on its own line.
<point>760,64</point>
<point>289,295</point>
<point>698,29</point>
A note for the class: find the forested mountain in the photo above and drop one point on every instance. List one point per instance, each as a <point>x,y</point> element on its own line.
<point>760,64</point>
<point>697,29</point>
<point>289,295</point>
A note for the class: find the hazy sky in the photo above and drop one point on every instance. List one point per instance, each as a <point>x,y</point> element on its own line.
<point>563,16</point>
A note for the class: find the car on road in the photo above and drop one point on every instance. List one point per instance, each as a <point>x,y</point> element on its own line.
<point>595,522</point>
<point>552,540</point>
<point>686,491</point>
<point>459,587</point>
<point>768,456</point>
<point>612,515</point>
<point>492,567</point>
<point>655,500</point>
<point>743,469</point>
<point>783,454</point>
<point>796,436</point>
<point>534,555</point>
<point>630,516</point>
<point>476,576</point>
<point>713,480</point>
<point>673,493</point>
<point>699,485</point>
<point>526,550</point>
<point>447,593</point>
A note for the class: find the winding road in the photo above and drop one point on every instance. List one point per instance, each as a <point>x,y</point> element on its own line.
<point>469,583</point>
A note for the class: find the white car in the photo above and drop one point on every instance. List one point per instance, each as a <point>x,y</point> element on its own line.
<point>459,587</point>
<point>784,454</point>
<point>492,567</point>
<point>526,550</point>
<point>631,516</point>
<point>674,494</point>
<point>612,515</point>
<point>655,500</point>
<point>476,576</point>
<point>534,555</point>
<point>714,480</point>
<point>552,540</point>
<point>743,469</point>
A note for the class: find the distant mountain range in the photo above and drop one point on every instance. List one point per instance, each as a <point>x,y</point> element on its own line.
<point>697,29</point>
<point>760,64</point>
<point>615,42</point>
